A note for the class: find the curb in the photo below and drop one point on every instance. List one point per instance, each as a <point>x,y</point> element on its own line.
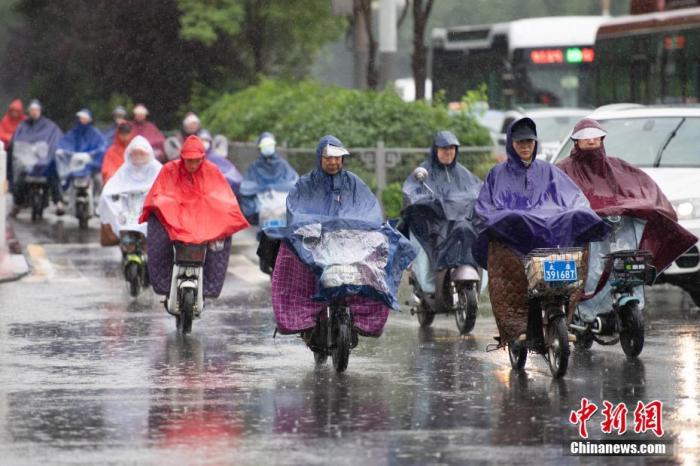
<point>13,264</point>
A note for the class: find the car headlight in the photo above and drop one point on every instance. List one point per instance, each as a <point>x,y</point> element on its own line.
<point>687,208</point>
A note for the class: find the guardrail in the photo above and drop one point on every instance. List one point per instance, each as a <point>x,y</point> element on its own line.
<point>378,166</point>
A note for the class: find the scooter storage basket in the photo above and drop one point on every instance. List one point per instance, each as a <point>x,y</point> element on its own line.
<point>538,260</point>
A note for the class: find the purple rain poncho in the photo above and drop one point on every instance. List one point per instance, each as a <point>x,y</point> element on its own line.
<point>532,207</point>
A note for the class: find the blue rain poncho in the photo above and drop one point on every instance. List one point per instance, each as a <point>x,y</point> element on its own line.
<point>532,207</point>
<point>42,134</point>
<point>335,225</point>
<point>442,220</point>
<point>84,138</point>
<point>269,172</point>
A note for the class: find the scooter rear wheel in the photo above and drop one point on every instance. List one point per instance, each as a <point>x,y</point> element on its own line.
<point>632,331</point>
<point>558,347</point>
<point>467,309</point>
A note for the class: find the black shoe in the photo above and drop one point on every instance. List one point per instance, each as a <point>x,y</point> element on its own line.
<point>15,211</point>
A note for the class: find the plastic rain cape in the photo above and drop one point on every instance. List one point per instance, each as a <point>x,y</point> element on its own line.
<point>532,207</point>
<point>33,147</point>
<point>442,222</point>
<point>614,187</point>
<point>82,138</point>
<point>335,226</point>
<point>122,197</point>
<point>193,207</point>
<point>268,173</point>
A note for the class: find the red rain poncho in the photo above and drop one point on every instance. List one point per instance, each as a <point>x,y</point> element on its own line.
<point>8,125</point>
<point>114,157</point>
<point>194,207</point>
<point>614,187</point>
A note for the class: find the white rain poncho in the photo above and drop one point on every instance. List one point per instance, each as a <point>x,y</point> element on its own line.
<point>122,198</point>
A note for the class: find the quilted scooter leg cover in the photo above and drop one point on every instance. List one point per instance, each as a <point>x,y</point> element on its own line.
<point>508,291</point>
<point>160,262</point>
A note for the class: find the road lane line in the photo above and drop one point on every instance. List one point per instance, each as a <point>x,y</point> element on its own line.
<point>41,267</point>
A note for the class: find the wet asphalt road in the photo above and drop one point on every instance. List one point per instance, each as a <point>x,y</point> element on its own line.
<point>89,376</point>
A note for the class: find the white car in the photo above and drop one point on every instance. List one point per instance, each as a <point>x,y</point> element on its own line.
<point>553,125</point>
<point>662,141</point>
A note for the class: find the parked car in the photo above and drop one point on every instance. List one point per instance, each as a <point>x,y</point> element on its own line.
<point>553,125</point>
<point>662,141</point>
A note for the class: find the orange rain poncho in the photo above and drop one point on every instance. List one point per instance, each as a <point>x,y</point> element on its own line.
<point>8,125</point>
<point>193,207</point>
<point>114,157</point>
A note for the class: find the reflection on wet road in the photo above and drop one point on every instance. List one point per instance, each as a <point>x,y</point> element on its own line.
<point>88,376</point>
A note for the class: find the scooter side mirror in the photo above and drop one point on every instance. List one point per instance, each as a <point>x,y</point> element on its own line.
<point>420,174</point>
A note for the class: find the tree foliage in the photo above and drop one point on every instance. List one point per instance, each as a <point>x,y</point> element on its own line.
<point>77,53</point>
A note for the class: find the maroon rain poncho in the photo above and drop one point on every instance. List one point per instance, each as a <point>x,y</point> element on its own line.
<point>614,187</point>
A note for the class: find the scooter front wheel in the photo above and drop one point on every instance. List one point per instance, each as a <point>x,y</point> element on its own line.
<point>518,355</point>
<point>425,317</point>
<point>343,340</point>
<point>132,276</point>
<point>558,347</point>
<point>467,309</point>
<point>632,331</point>
<point>186,311</point>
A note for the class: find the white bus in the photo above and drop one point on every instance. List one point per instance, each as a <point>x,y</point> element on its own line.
<point>524,63</point>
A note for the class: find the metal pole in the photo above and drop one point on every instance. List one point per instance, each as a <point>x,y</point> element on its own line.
<point>3,188</point>
<point>380,171</point>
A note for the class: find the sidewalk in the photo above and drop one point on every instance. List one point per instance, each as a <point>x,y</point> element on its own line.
<point>13,264</point>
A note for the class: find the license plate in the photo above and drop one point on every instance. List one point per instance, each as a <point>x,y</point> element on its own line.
<point>560,271</point>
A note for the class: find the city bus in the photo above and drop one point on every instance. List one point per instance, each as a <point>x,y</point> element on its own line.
<point>651,58</point>
<point>524,63</point>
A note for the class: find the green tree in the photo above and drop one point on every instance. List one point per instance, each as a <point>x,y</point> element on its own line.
<point>266,36</point>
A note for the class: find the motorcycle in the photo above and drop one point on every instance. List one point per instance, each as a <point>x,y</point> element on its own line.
<point>132,240</point>
<point>76,172</point>
<point>553,276</point>
<point>626,271</point>
<point>31,162</point>
<point>456,288</point>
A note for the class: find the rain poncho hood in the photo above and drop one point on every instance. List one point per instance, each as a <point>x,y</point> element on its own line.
<point>442,222</point>
<point>269,172</point>
<point>8,125</point>
<point>614,187</point>
<point>338,209</point>
<point>535,206</point>
<point>129,177</point>
<point>194,207</point>
<point>33,132</point>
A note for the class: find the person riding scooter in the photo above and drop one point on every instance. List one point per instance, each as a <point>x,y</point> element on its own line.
<point>438,211</point>
<point>339,265</point>
<point>263,195</point>
<point>38,137</point>
<point>527,205</point>
<point>190,203</point>
<point>642,218</point>
<point>121,203</point>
